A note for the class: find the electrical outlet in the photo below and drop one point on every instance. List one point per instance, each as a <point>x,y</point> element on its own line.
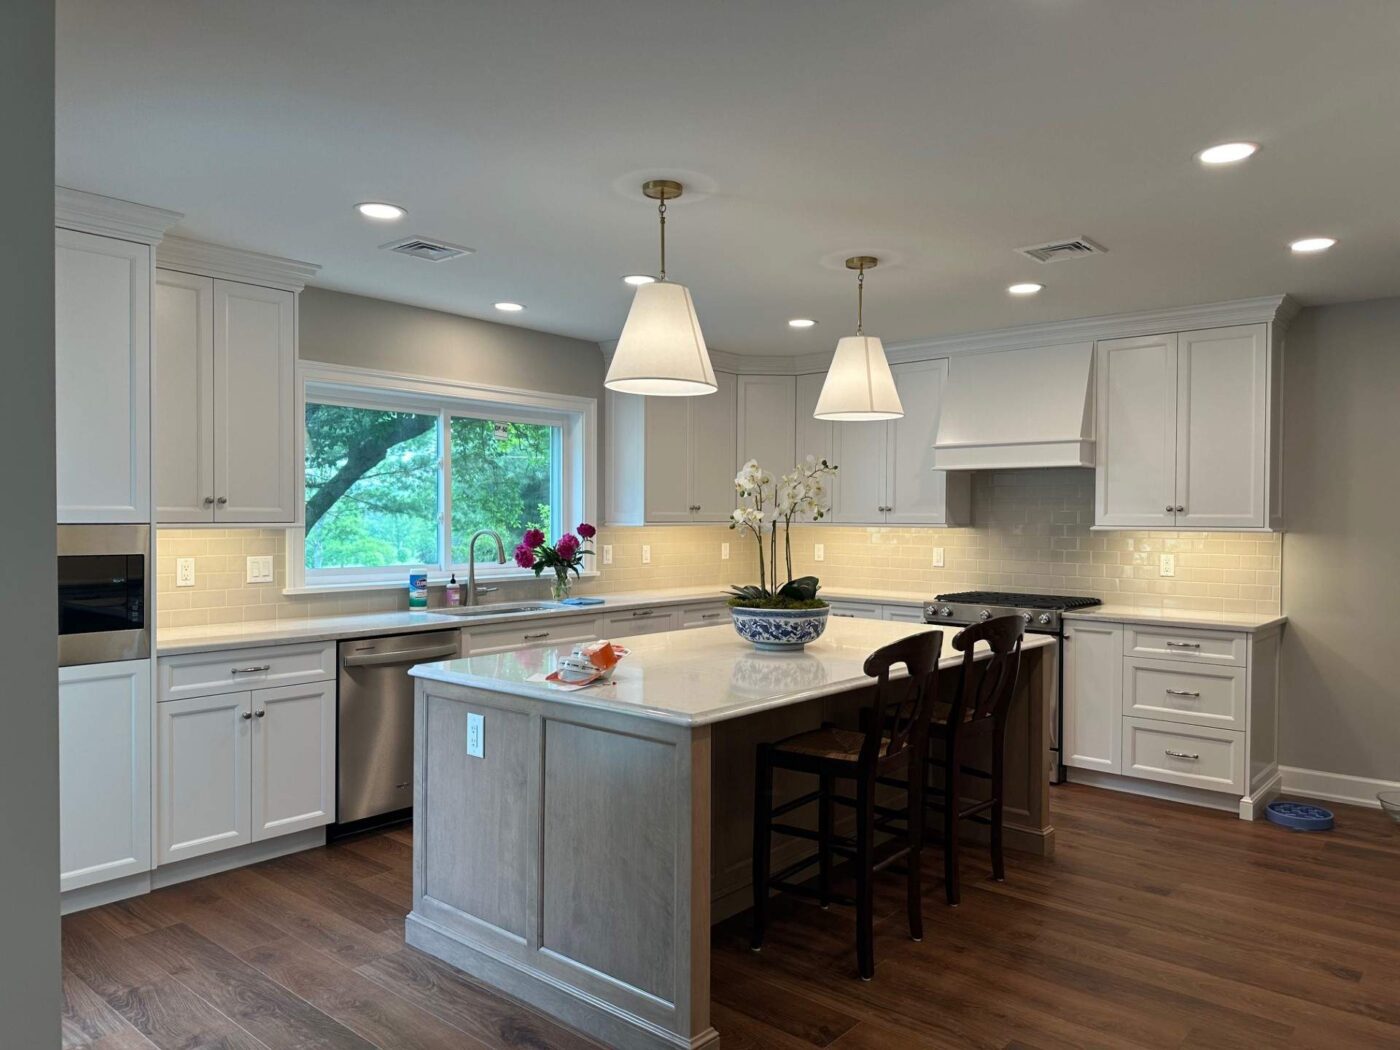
<point>819,552</point>
<point>476,736</point>
<point>724,552</point>
<point>938,557</point>
<point>646,553</point>
<point>260,568</point>
<point>607,554</point>
<point>1168,565</point>
<point>184,572</point>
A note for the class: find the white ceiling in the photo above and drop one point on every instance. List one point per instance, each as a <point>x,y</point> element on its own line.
<point>938,135</point>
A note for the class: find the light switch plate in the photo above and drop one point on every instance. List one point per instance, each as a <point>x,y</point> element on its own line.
<point>819,552</point>
<point>607,554</point>
<point>184,572</point>
<point>646,553</point>
<point>476,736</point>
<point>260,568</point>
<point>938,557</point>
<point>724,552</point>
<point>1168,565</point>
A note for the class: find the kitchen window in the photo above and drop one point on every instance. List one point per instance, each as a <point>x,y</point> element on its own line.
<point>400,472</point>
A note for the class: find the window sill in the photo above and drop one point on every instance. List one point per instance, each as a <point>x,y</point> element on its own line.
<point>434,582</point>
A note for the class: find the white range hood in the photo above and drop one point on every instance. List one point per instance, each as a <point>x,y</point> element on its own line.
<point>1018,408</point>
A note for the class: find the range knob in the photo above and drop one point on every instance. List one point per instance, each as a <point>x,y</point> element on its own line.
<point>1026,617</point>
<point>945,611</point>
<point>985,614</point>
<point>1043,618</point>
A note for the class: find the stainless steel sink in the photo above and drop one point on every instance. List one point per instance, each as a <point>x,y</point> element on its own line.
<point>502,609</point>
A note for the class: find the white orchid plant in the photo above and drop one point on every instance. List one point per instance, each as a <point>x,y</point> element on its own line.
<point>768,506</point>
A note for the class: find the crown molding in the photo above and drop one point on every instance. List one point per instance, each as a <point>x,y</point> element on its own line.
<point>110,217</point>
<point>234,264</point>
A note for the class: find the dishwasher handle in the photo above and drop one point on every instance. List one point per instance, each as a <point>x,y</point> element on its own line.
<point>402,656</point>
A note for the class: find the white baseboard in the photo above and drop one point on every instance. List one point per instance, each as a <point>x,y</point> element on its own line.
<point>1335,787</point>
<point>1150,789</point>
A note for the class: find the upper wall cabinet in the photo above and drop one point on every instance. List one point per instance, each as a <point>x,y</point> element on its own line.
<point>102,360</point>
<point>672,459</point>
<point>1186,425</point>
<point>766,422</point>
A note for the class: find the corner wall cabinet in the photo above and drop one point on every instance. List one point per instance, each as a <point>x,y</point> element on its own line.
<point>767,425</point>
<point>225,408</point>
<point>1188,430</point>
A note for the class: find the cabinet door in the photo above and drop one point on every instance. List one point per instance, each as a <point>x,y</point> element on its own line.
<point>1222,453</point>
<point>767,432</point>
<point>1135,471</point>
<point>813,435</point>
<point>184,397</point>
<point>104,771</point>
<point>858,491</point>
<point>254,404</point>
<point>916,493</point>
<point>293,759</point>
<point>203,749</point>
<point>1093,697</point>
<point>102,365</point>
<point>713,430</point>
<point>667,439</point>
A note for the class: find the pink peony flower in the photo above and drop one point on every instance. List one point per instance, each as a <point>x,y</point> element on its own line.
<point>567,546</point>
<point>587,531</point>
<point>533,538</point>
<point>524,557</point>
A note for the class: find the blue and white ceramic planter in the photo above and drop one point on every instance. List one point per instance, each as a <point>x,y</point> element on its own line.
<point>779,629</point>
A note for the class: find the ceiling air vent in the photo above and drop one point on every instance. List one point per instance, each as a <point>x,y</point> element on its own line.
<point>433,251</point>
<point>1057,251</point>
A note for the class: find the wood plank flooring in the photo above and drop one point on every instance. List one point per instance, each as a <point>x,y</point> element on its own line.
<point>1155,926</point>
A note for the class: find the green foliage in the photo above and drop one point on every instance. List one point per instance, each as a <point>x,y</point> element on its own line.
<point>802,589</point>
<point>778,602</point>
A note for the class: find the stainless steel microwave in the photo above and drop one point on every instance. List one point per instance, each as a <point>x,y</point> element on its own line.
<point>104,593</point>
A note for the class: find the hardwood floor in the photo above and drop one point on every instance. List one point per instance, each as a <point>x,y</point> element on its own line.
<point>1156,925</point>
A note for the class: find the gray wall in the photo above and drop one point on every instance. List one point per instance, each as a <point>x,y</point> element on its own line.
<point>29,968</point>
<point>1341,563</point>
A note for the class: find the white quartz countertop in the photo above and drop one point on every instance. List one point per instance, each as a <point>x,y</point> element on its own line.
<point>695,677</point>
<point>1180,618</point>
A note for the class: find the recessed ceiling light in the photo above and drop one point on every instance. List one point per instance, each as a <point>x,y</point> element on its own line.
<point>1227,153</point>
<point>381,211</point>
<point>1027,288</point>
<point>510,308</point>
<point>636,279</point>
<point>802,322</point>
<point>1312,244</point>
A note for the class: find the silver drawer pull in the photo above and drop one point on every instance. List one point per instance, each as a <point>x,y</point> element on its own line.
<point>711,616</point>
<point>255,669</point>
<point>644,612</point>
<point>1183,645</point>
<point>536,637</point>
<point>1182,692</point>
<point>849,616</point>
<point>1180,754</point>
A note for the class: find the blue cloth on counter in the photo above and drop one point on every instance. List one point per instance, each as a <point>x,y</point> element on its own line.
<point>582,601</point>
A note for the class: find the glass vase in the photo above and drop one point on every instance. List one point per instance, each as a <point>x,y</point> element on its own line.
<point>562,583</point>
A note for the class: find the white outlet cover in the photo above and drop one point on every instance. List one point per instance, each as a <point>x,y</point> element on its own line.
<point>724,552</point>
<point>259,568</point>
<point>819,552</point>
<point>476,735</point>
<point>1168,565</point>
<point>184,572</point>
<point>646,553</point>
<point>938,557</point>
<point>607,554</point>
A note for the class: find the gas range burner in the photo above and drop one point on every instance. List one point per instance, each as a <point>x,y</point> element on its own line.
<point>1021,601</point>
<point>1041,612</point>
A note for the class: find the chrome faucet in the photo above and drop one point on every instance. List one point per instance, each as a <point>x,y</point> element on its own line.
<point>472,589</point>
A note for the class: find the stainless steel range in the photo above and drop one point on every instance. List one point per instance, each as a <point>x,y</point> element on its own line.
<point>1042,613</point>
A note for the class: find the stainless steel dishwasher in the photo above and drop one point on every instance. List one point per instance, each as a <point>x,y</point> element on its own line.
<point>374,732</point>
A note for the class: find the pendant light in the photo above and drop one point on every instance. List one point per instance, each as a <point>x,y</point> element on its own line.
<point>661,351</point>
<point>859,385</point>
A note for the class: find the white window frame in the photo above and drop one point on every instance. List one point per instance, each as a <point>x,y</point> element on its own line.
<point>575,417</point>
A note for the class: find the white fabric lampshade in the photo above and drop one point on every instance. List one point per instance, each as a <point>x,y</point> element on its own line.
<point>661,351</point>
<point>859,385</point>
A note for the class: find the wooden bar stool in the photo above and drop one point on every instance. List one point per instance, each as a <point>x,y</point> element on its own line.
<point>894,740</point>
<point>979,707</point>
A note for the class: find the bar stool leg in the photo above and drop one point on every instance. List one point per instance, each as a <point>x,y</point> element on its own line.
<point>762,843</point>
<point>998,861</point>
<point>865,881</point>
<point>915,802</point>
<point>952,802</point>
<point>824,831</point>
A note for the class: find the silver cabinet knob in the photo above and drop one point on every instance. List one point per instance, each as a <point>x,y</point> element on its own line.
<point>1026,617</point>
<point>208,500</point>
<point>260,713</point>
<point>1168,508</point>
<point>1180,509</point>
<point>246,715</point>
<point>221,500</point>
<point>985,614</point>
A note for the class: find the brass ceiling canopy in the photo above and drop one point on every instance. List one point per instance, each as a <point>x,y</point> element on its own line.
<point>859,262</point>
<point>662,189</point>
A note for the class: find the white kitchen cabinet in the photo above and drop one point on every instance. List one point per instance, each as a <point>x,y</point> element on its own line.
<point>814,436</point>
<point>671,460</point>
<point>767,422</point>
<point>1093,697</point>
<point>1184,430</point>
<point>858,489</point>
<point>104,772</point>
<point>204,759</point>
<point>850,610</point>
<point>102,361</point>
<point>225,401</point>
<point>293,758</point>
<point>903,613</point>
<point>640,621</point>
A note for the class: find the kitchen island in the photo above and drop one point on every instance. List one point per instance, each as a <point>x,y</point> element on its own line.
<point>572,848</point>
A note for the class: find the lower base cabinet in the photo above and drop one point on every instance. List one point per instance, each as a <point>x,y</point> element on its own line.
<point>104,772</point>
<point>242,767</point>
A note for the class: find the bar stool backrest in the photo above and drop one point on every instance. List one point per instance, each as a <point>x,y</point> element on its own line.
<point>907,720</point>
<point>985,687</point>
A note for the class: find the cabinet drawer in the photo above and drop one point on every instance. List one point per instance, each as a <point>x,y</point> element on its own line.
<point>1192,756</point>
<point>206,674</point>
<point>1198,646</point>
<point>1172,691</point>
<point>483,640</point>
<point>857,610</point>
<point>903,613</point>
<point>704,615</point>
<point>639,621</point>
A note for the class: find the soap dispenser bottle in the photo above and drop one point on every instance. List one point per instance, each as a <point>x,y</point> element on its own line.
<point>452,596</point>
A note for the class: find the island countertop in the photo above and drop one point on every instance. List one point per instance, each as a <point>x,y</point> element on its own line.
<point>700,676</point>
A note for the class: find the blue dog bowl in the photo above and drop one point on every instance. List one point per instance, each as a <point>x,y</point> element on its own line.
<point>1300,816</point>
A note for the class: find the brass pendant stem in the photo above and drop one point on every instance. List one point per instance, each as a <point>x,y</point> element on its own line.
<point>860,302</point>
<point>661,210</point>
